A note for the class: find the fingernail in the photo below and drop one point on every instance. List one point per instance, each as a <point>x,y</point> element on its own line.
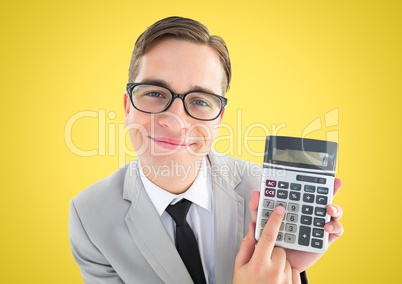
<point>329,228</point>
<point>280,210</point>
<point>334,209</point>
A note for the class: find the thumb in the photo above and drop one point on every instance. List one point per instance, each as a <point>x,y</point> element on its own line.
<point>246,248</point>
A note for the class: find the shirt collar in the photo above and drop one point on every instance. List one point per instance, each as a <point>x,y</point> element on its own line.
<point>200,192</point>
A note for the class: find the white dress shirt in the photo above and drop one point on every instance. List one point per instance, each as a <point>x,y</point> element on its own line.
<point>200,216</point>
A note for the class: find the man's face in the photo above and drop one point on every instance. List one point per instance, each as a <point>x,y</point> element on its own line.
<point>173,137</point>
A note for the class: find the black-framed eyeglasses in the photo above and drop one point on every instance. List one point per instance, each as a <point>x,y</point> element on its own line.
<point>150,98</point>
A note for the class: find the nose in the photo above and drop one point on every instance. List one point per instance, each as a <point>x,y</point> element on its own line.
<point>177,107</point>
<point>175,117</point>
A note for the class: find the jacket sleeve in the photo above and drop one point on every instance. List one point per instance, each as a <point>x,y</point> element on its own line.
<point>95,268</point>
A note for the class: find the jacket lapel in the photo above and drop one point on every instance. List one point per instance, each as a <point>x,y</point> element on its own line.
<point>229,217</point>
<point>148,232</point>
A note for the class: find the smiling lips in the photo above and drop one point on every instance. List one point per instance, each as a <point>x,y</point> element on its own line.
<point>170,143</point>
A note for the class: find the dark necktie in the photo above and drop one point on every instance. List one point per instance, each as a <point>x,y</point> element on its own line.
<point>186,244</point>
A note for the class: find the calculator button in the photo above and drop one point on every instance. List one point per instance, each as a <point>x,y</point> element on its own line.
<point>309,188</point>
<point>316,243</point>
<point>271,183</point>
<point>292,218</point>
<point>268,204</point>
<point>307,209</point>
<point>279,237</point>
<point>282,226</point>
<point>266,213</point>
<point>304,235</point>
<point>309,198</point>
<point>318,233</point>
<point>263,222</point>
<point>322,199</point>
<point>322,190</point>
<point>280,203</point>
<point>306,220</point>
<point>289,238</point>
<point>295,186</point>
<point>293,207</point>
<point>320,211</point>
<point>283,194</point>
<point>270,192</point>
<point>294,195</point>
<point>283,184</point>
<point>290,228</point>
<point>319,222</point>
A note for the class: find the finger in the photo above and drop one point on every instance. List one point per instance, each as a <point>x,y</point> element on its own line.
<point>278,258</point>
<point>253,204</point>
<point>337,185</point>
<point>268,237</point>
<point>288,268</point>
<point>295,277</point>
<point>335,211</point>
<point>246,248</point>
<point>335,230</point>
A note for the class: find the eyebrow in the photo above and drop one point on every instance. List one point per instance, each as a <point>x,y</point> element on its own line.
<point>163,83</point>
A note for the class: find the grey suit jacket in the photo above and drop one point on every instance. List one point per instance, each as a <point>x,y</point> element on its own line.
<point>117,236</point>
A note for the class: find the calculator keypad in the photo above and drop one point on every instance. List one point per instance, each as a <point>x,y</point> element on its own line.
<point>305,198</point>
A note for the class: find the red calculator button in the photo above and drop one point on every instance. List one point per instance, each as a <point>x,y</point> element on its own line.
<point>270,192</point>
<point>271,183</point>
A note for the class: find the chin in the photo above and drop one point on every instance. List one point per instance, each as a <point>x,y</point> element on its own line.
<point>174,158</point>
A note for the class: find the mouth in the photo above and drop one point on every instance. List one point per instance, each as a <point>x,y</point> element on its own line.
<point>170,143</point>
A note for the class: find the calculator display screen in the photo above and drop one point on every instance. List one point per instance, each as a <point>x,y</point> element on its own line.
<point>301,152</point>
<point>300,157</point>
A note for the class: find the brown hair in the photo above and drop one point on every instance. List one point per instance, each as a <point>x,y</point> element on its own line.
<point>183,29</point>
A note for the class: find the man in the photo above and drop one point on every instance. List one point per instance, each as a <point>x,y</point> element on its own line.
<point>122,229</point>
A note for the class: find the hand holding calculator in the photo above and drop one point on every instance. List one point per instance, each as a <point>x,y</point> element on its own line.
<point>298,174</point>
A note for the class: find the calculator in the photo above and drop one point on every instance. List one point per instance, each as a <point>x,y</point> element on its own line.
<point>298,174</point>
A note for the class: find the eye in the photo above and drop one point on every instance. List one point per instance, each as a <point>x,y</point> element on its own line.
<point>154,94</point>
<point>200,102</point>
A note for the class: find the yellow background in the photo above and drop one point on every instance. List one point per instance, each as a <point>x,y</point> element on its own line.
<point>293,62</point>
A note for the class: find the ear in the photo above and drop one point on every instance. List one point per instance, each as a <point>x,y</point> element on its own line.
<point>126,105</point>
<point>221,115</point>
